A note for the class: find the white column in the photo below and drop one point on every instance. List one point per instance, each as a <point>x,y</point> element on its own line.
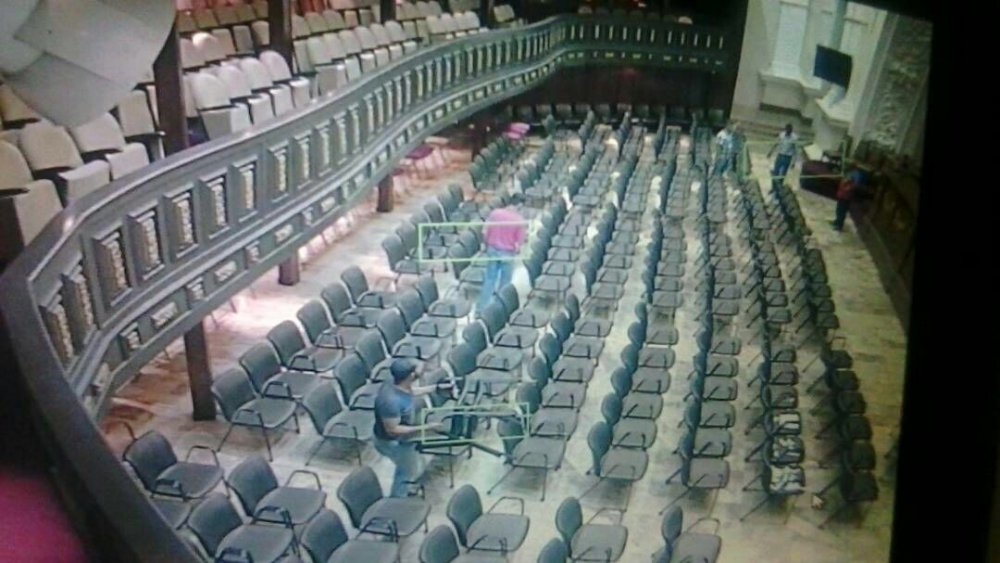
<point>792,18</point>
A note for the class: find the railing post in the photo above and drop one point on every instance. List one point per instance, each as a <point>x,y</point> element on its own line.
<point>290,271</point>
<point>199,373</point>
<point>386,196</point>
<point>169,96</point>
<point>279,17</point>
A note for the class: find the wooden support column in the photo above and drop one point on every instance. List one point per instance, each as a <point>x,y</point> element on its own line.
<point>386,195</point>
<point>168,75</point>
<point>279,17</point>
<point>387,10</point>
<point>199,373</point>
<point>487,15</point>
<point>290,271</point>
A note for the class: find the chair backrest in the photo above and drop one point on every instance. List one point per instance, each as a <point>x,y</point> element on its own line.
<point>209,91</point>
<point>550,348</point>
<point>528,393</point>
<point>637,333</point>
<point>251,480</point>
<point>475,336</point>
<point>508,297</point>
<point>539,371</point>
<point>599,441</point>
<point>100,134</point>
<point>569,518</point>
<point>411,307</point>
<point>611,408</point>
<point>276,65</point>
<point>494,318</point>
<point>351,374</point>
<point>630,357</point>
<point>394,250</point>
<point>439,546</point>
<point>212,520</point>
<point>355,282</point>
<point>392,327</point>
<point>428,289</point>
<point>323,535</point>
<point>358,492</point>
<point>322,404</point>
<point>407,233</point>
<point>672,525</point>
<point>149,456</point>
<point>314,318</point>
<point>337,300</point>
<point>261,363</point>
<point>621,382</point>
<point>14,171</point>
<point>232,390</point>
<point>45,146</point>
<point>555,551</point>
<point>562,326</point>
<point>511,433</point>
<point>573,306</point>
<point>462,359</point>
<point>464,508</point>
<point>370,349</point>
<point>287,340</point>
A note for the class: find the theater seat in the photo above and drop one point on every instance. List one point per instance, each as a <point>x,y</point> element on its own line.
<point>52,155</point>
<point>218,113</point>
<point>137,124</point>
<point>236,82</point>
<point>14,112</point>
<point>260,82</point>
<point>102,138</point>
<point>278,69</point>
<point>26,204</point>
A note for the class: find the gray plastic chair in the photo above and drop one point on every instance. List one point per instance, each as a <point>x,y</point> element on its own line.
<point>225,537</point>
<point>440,546</point>
<point>627,432</point>
<point>361,294</point>
<point>418,322</point>
<point>321,332</point>
<point>241,407</point>
<point>529,452</point>
<point>373,513</point>
<point>618,464</point>
<point>556,394</point>
<point>546,422</point>
<point>333,422</point>
<point>706,473</point>
<point>344,313</point>
<point>489,531</point>
<point>588,541</point>
<point>152,458</point>
<point>262,364</point>
<point>265,500</point>
<point>435,305</point>
<point>296,354</point>
<point>327,541</point>
<point>680,545</point>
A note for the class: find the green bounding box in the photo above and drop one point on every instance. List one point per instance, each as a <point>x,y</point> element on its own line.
<point>422,227</point>
<point>460,434</point>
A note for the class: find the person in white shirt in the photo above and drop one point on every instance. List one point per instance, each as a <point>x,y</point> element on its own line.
<point>787,148</point>
<point>725,140</point>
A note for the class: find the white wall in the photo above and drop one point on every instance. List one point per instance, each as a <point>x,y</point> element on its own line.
<point>758,45</point>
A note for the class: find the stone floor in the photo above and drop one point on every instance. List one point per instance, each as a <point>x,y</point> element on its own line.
<point>158,398</point>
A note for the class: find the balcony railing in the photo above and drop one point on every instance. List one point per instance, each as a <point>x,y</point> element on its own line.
<point>123,272</point>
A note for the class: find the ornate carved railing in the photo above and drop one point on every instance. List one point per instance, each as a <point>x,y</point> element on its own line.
<point>125,271</point>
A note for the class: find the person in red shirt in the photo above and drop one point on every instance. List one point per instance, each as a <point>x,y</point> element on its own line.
<point>504,234</point>
<point>848,187</point>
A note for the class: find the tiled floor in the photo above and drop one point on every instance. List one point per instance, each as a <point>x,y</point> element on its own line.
<point>158,398</point>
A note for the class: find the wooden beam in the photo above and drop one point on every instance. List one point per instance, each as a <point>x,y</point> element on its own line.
<point>290,271</point>
<point>168,75</point>
<point>279,17</point>
<point>199,373</point>
<point>386,195</point>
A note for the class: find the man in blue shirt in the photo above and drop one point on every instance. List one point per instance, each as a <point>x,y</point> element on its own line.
<point>395,418</point>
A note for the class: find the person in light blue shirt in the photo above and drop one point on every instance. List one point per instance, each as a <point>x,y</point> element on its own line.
<point>395,424</point>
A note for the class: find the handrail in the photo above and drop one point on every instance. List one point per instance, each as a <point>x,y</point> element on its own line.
<point>126,270</point>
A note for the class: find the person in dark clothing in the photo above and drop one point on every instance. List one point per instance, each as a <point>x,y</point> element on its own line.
<point>846,192</point>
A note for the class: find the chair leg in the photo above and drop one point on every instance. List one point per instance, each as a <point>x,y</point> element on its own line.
<point>267,442</point>
<point>315,450</point>
<point>671,503</point>
<point>224,438</point>
<point>592,487</point>
<point>756,507</point>
<point>502,478</point>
